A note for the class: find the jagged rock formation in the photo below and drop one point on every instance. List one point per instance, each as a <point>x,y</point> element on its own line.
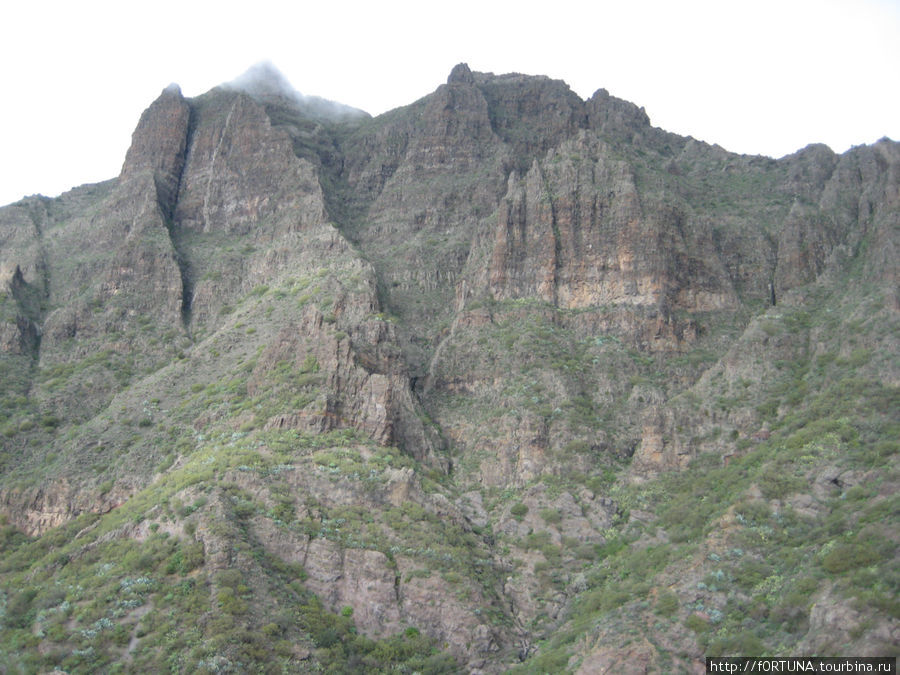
<point>439,373</point>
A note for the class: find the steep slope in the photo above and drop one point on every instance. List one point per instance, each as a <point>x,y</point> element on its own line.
<point>500,379</point>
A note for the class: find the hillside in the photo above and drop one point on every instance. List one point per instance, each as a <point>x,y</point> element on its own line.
<point>500,380</point>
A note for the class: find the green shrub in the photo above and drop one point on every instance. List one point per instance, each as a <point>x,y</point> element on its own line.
<point>697,624</point>
<point>551,516</point>
<point>751,572</point>
<point>753,512</point>
<point>852,555</point>
<point>537,540</point>
<point>666,603</point>
<point>310,365</point>
<point>602,600</point>
<point>778,481</point>
<point>229,603</point>
<point>19,610</point>
<point>742,644</point>
<point>50,421</point>
<point>518,510</point>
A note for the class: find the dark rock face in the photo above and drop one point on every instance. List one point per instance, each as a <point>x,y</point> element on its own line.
<point>158,145</point>
<point>461,74</point>
<point>241,173</point>
<point>517,291</point>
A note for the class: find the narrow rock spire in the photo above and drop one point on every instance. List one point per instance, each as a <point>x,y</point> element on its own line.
<point>461,75</point>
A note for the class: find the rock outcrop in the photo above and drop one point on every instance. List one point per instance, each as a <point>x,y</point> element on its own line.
<point>430,384</point>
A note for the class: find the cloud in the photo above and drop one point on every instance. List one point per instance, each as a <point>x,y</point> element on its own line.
<point>264,82</point>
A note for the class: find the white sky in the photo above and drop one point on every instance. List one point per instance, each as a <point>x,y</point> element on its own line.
<point>761,77</point>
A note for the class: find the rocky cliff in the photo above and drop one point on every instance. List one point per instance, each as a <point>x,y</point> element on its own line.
<point>503,379</point>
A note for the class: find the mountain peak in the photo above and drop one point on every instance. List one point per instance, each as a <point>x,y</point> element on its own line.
<point>461,74</point>
<point>264,82</point>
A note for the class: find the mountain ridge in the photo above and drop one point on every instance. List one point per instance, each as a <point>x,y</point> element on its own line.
<point>453,377</point>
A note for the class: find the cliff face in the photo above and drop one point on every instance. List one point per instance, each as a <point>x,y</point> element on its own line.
<point>441,374</point>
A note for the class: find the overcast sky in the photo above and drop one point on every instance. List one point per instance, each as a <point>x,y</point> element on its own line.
<point>761,77</point>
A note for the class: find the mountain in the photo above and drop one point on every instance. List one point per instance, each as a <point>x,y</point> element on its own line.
<point>502,380</point>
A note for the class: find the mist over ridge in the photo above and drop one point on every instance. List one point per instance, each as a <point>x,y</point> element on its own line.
<point>265,82</point>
